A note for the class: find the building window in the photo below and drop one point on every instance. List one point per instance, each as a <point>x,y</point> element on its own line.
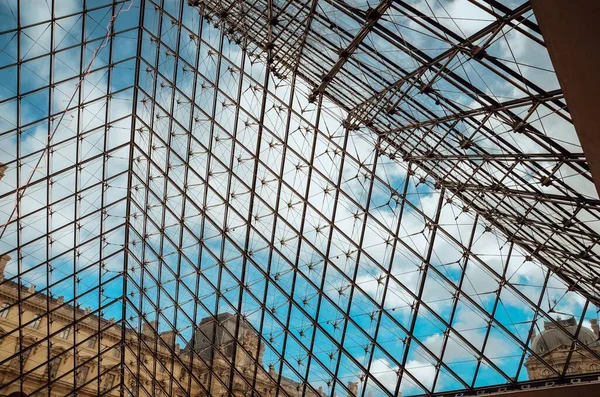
<point>22,358</point>
<point>53,367</point>
<point>546,372</point>
<point>64,334</point>
<point>25,355</point>
<point>109,379</point>
<point>37,321</point>
<point>4,310</point>
<point>82,374</point>
<point>92,342</point>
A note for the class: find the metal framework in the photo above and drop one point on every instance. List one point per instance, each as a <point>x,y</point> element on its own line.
<point>389,193</point>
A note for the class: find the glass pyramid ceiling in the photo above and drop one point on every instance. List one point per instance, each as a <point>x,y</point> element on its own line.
<point>287,198</point>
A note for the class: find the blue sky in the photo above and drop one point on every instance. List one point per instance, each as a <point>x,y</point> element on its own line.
<point>201,237</point>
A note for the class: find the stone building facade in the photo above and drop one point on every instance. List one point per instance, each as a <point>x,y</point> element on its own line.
<point>48,344</point>
<point>43,363</point>
<point>553,345</point>
<point>40,361</point>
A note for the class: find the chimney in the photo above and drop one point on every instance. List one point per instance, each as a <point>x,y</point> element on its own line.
<point>3,261</point>
<point>168,337</point>
<point>353,389</point>
<point>595,327</point>
<point>150,329</point>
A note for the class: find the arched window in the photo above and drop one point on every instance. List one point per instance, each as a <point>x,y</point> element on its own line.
<point>546,372</point>
<point>572,370</point>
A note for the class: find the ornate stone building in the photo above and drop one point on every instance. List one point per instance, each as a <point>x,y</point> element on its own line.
<point>67,366</point>
<point>45,341</point>
<point>41,362</point>
<point>553,345</point>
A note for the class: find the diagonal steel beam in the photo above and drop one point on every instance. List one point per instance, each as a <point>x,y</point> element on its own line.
<point>372,16</point>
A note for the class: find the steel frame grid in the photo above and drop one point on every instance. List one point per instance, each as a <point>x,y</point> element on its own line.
<point>167,112</point>
<point>337,325</point>
<point>49,175</point>
<point>560,245</point>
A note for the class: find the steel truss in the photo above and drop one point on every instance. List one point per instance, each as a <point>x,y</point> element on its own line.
<point>530,202</point>
<point>376,209</point>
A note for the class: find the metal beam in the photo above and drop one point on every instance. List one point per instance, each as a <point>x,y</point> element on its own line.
<point>571,33</point>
